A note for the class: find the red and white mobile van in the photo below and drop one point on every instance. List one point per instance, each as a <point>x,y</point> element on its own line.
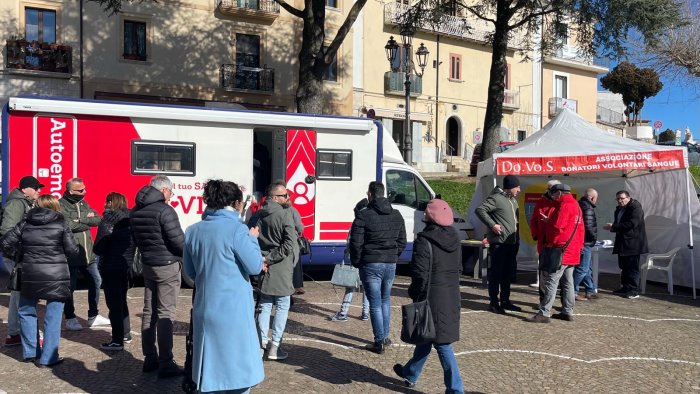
<point>327,161</point>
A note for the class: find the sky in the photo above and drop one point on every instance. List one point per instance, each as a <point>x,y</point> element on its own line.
<point>677,106</point>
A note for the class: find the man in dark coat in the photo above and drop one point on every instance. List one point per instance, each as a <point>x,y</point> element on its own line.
<point>630,242</point>
<point>159,237</point>
<point>377,238</point>
<point>435,271</point>
<point>15,207</point>
<point>583,273</point>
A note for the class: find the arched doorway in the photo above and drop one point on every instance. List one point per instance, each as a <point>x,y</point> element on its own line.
<point>453,140</point>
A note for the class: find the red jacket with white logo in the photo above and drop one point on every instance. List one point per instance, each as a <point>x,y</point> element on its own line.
<point>562,222</point>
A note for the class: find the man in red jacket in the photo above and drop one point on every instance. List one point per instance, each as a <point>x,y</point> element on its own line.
<point>563,229</point>
<point>543,208</point>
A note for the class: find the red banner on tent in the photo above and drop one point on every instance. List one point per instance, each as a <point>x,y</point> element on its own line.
<point>655,160</point>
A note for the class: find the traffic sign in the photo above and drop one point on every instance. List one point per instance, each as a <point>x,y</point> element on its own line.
<point>477,137</point>
<point>658,124</point>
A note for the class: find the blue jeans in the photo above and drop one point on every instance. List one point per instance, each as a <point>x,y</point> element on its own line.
<point>30,330</point>
<point>414,366</point>
<point>583,273</point>
<point>377,279</point>
<point>347,300</point>
<point>281,312</point>
<point>95,282</point>
<point>12,315</point>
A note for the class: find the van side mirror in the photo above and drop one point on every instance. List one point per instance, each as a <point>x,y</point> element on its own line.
<point>310,179</point>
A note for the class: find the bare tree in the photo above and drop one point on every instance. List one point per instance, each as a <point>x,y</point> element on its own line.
<point>600,27</point>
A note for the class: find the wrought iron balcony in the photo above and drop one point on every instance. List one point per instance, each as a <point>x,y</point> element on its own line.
<point>394,83</point>
<point>256,79</point>
<point>35,56</point>
<point>475,30</point>
<point>511,99</point>
<point>556,104</point>
<point>267,10</point>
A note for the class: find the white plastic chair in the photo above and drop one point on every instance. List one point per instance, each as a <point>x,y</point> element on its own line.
<point>649,264</point>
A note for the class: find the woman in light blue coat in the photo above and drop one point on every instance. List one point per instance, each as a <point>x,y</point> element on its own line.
<point>220,254</point>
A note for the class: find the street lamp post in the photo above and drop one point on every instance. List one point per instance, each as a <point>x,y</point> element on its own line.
<point>392,49</point>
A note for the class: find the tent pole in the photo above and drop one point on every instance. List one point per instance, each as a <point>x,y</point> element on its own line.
<point>690,231</point>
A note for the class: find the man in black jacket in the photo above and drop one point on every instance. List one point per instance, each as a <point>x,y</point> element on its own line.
<point>159,237</point>
<point>583,272</point>
<point>630,242</point>
<point>377,238</point>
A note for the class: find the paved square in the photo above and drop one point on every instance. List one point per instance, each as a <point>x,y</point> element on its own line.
<point>651,345</point>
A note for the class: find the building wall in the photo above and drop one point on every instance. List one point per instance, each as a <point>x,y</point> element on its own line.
<point>582,87</point>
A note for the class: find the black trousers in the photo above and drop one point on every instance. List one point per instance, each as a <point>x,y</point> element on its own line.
<point>501,272</point>
<point>298,276</point>
<point>115,285</point>
<point>629,277</point>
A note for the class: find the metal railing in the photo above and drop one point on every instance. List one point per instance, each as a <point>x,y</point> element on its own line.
<point>233,77</point>
<point>557,104</point>
<point>454,26</point>
<point>394,83</point>
<point>609,116</point>
<point>35,56</point>
<point>269,6</point>
<point>511,99</point>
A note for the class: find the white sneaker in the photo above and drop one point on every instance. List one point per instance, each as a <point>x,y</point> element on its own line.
<point>73,325</point>
<point>97,321</point>
<point>535,285</point>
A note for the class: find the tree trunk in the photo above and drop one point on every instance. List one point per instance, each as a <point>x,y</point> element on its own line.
<point>309,96</point>
<point>494,102</point>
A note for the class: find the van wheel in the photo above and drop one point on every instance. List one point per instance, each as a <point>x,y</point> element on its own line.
<point>186,280</point>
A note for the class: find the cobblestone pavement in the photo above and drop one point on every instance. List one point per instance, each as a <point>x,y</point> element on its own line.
<point>651,344</point>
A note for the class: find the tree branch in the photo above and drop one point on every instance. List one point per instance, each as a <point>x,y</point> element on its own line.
<point>529,18</point>
<point>477,14</point>
<point>343,31</point>
<point>289,8</point>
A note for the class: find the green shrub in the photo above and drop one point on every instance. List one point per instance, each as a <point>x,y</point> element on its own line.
<point>457,194</point>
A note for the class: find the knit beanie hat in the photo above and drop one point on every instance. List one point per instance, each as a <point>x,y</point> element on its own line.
<point>510,182</point>
<point>439,212</point>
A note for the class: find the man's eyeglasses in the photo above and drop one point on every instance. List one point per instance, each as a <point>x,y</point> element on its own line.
<point>79,191</point>
<point>621,198</point>
<point>281,195</point>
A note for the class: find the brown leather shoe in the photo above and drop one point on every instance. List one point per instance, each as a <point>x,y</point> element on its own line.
<point>579,297</point>
<point>594,296</point>
<point>538,318</point>
<point>299,290</point>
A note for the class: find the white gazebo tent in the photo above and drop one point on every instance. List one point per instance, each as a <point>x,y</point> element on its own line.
<point>579,154</point>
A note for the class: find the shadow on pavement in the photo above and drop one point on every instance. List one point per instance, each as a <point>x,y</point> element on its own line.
<point>321,365</point>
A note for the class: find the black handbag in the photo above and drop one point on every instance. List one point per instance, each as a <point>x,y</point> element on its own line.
<point>14,282</point>
<point>304,245</point>
<point>417,325</point>
<point>551,258</point>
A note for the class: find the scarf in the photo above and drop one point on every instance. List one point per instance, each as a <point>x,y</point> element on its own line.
<point>72,198</point>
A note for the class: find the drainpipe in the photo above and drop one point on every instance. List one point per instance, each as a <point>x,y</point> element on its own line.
<point>80,44</point>
<point>437,92</point>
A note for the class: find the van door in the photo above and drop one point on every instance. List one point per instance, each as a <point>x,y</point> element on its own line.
<point>301,176</point>
<point>409,195</point>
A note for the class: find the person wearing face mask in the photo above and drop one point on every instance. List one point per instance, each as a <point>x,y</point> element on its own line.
<point>80,217</point>
<point>18,203</point>
<point>630,241</point>
<point>220,254</point>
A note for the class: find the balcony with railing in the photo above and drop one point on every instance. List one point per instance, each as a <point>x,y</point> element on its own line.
<point>267,10</point>
<point>394,83</point>
<point>38,58</point>
<point>556,104</point>
<point>252,79</point>
<point>609,116</point>
<point>574,54</point>
<point>511,100</point>
<point>476,30</point>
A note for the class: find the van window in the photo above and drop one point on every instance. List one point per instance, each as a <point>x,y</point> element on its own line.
<point>334,164</point>
<point>158,157</point>
<point>404,188</point>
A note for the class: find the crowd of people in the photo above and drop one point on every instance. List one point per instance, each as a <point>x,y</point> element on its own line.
<point>253,262</point>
